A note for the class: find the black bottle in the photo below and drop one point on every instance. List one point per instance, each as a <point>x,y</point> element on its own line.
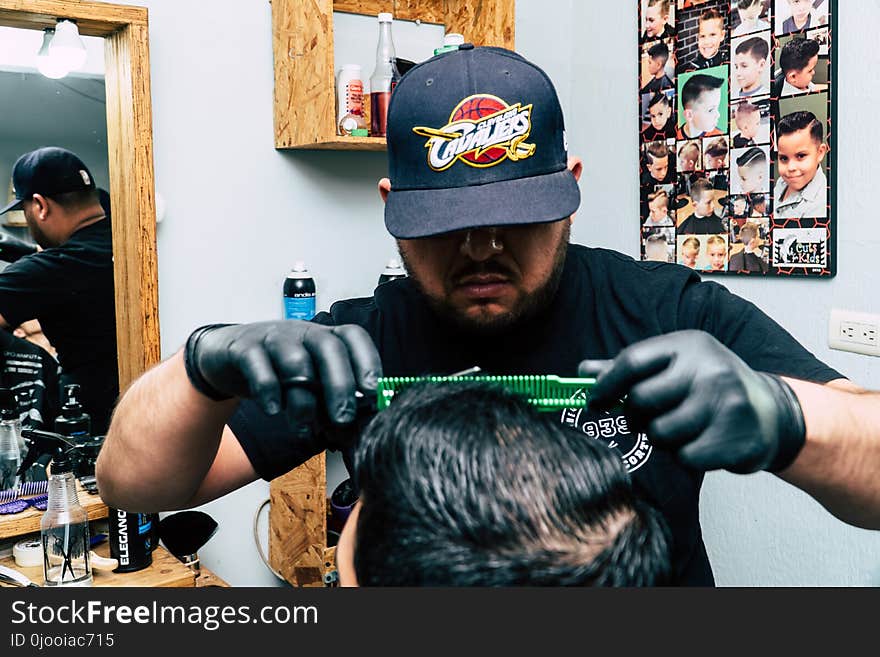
<point>299,293</point>
<point>393,270</point>
<point>76,424</point>
<point>73,421</point>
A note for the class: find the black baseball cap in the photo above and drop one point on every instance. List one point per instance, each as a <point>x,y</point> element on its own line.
<point>48,171</point>
<point>476,138</point>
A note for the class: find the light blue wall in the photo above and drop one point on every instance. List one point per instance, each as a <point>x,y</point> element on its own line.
<point>240,213</point>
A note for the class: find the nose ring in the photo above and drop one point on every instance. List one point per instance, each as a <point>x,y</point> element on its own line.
<point>495,243</point>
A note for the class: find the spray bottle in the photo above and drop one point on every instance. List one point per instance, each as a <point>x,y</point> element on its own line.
<point>64,529</point>
<point>10,440</point>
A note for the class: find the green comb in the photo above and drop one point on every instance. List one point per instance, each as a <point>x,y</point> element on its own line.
<point>546,392</point>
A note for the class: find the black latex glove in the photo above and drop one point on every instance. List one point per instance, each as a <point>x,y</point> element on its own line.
<point>286,364</point>
<point>12,248</point>
<point>695,397</point>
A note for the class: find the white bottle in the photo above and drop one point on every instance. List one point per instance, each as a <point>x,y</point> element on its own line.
<point>451,41</point>
<point>350,99</point>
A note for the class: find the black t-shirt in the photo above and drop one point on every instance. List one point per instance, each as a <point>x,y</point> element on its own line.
<point>606,301</point>
<point>652,134</point>
<point>658,84</point>
<point>741,142</point>
<point>32,374</point>
<point>69,289</point>
<point>700,62</point>
<point>694,225</point>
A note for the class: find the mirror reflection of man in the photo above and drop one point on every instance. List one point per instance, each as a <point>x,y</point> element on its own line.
<point>68,285</point>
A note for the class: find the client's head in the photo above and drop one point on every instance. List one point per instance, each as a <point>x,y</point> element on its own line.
<point>468,485</point>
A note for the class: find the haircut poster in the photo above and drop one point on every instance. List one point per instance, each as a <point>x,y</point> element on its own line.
<point>737,150</point>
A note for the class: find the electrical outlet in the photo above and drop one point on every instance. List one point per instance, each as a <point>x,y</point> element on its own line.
<point>855,332</point>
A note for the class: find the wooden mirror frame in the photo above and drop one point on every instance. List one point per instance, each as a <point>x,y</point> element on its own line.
<point>130,150</point>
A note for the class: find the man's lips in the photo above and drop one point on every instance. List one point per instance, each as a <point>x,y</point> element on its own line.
<point>483,286</point>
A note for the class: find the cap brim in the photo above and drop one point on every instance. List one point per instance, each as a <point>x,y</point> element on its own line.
<point>15,205</point>
<point>411,214</point>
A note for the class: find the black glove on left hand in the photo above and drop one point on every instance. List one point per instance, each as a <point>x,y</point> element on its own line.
<point>694,396</point>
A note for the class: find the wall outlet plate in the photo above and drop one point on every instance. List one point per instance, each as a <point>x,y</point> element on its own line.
<point>854,331</point>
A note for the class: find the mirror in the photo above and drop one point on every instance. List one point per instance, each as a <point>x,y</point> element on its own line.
<point>122,162</point>
<point>61,300</point>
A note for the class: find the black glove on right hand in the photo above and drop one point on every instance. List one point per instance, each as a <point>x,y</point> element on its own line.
<point>12,248</point>
<point>285,363</point>
<point>694,396</point>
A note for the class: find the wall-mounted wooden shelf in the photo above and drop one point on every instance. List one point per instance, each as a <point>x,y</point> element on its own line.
<point>338,143</point>
<point>305,77</point>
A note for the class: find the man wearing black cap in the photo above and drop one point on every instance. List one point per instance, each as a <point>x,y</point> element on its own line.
<point>481,196</point>
<point>68,285</point>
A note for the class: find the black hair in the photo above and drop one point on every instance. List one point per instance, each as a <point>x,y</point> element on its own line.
<point>468,485</point>
<point>696,86</point>
<point>73,201</point>
<point>712,14</point>
<point>659,51</point>
<point>801,120</point>
<point>757,47</point>
<point>746,4</point>
<point>656,238</point>
<point>750,156</point>
<point>797,53</point>
<point>659,98</point>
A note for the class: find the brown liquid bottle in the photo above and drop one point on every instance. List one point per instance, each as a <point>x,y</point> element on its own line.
<point>383,79</point>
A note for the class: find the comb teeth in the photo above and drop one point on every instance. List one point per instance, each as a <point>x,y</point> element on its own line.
<point>25,489</point>
<point>546,392</point>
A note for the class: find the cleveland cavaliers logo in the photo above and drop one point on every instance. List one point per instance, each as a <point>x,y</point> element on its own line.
<point>483,131</point>
<point>611,428</point>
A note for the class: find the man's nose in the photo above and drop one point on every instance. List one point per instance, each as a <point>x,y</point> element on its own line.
<point>480,244</point>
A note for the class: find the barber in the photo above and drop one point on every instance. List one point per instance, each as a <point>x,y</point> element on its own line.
<point>483,226</point>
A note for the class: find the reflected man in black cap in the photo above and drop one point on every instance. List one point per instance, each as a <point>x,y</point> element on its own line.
<point>68,285</point>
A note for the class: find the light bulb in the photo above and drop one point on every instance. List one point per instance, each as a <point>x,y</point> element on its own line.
<point>51,67</point>
<point>67,45</point>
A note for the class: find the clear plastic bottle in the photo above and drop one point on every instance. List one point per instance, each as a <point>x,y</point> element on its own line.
<point>64,530</point>
<point>383,79</point>
<point>10,440</point>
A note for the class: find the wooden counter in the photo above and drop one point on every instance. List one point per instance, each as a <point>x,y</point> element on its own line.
<point>165,570</point>
<point>28,522</point>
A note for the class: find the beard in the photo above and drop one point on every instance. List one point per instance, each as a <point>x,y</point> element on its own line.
<point>529,307</point>
<point>36,232</point>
